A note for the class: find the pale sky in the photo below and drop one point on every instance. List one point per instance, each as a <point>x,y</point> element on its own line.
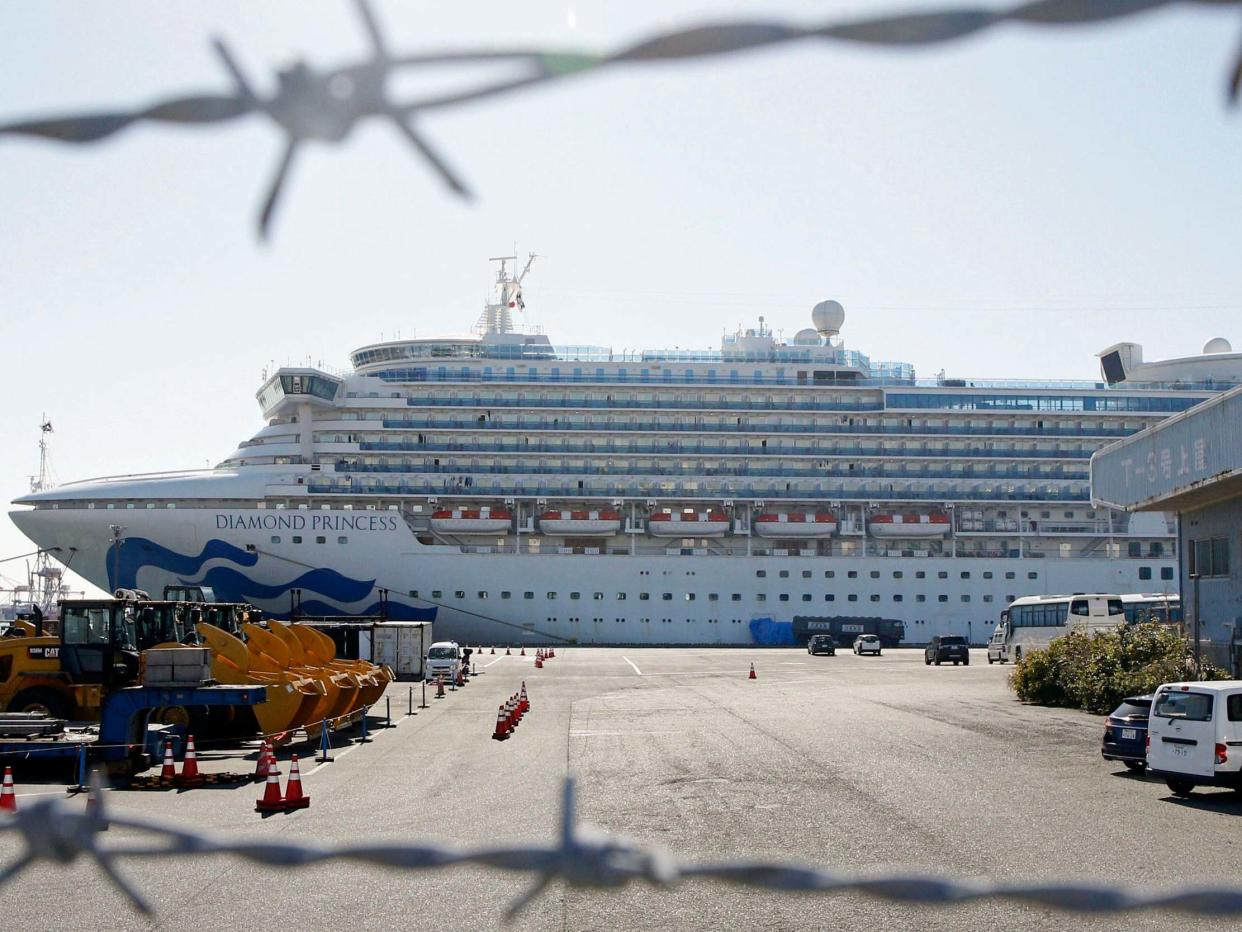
<point>1002,207</point>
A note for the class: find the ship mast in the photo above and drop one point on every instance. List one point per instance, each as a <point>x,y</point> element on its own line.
<point>498,317</point>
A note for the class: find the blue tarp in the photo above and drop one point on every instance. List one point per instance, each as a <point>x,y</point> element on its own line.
<point>772,633</point>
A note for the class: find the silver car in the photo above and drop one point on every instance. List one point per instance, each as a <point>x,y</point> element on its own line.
<point>867,644</point>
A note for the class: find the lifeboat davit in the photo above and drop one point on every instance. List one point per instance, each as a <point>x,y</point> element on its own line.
<point>580,523</point>
<point>472,521</point>
<point>909,525</point>
<point>688,524</point>
<point>796,524</point>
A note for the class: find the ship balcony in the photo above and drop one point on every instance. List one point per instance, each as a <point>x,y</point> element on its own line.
<point>488,447</point>
<point>482,422</point>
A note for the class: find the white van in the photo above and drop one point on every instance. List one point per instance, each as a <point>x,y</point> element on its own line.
<point>443,658</point>
<point>1194,735</point>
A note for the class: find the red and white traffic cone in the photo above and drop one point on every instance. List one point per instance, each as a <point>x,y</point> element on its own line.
<point>169,770</point>
<point>440,687</point>
<point>508,653</point>
<point>522,698</point>
<point>294,798</point>
<point>189,775</point>
<point>551,652</point>
<point>752,673</point>
<point>8,796</point>
<point>264,761</point>
<point>523,653</point>
<point>272,800</point>
<point>538,663</point>
<point>502,725</point>
<point>461,677</point>
<point>493,650</point>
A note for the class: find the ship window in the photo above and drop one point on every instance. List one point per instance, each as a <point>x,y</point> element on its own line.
<point>597,596</point>
<point>736,597</point>
<point>943,574</point>
<point>1144,572</point>
<point>966,574</point>
<point>829,597</point>
<point>620,596</point>
<point>1166,572</point>
<point>667,596</point>
<point>528,595</point>
<point>321,540</point>
<point>761,597</point>
<point>784,574</point>
<point>920,574</point>
<point>644,596</point>
<point>551,596</point>
<point>806,597</point>
<point>965,598</point>
<point>761,573</point>
<point>875,574</point>
<point>898,597</point>
<point>1032,576</point>
<point>920,598</point>
<point>482,594</point>
<point>575,596</point>
<point>689,596</point>
<point>987,574</point>
<point>297,539</point>
<point>342,540</point>
<point>713,597</point>
<point>275,538</point>
<point>413,593</point>
<point>784,596</point>
<point>987,598</point>
<point>942,598</point>
<point>506,594</point>
<point>806,574</point>
<point>436,593</point>
<point>897,574</point>
<point>853,597</point>
<point>830,574</point>
<point>852,574</point>
<point>1009,575</point>
<point>875,598</point>
<point>459,594</point>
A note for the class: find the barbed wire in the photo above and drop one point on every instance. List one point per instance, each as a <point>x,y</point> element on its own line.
<point>325,105</point>
<point>582,857</point>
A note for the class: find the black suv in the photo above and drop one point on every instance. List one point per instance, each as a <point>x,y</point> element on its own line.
<point>821,644</point>
<point>947,647</point>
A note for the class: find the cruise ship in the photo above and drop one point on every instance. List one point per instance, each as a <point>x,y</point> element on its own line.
<point>516,491</point>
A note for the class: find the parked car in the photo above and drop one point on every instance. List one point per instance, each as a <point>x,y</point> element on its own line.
<point>1194,735</point>
<point>998,646</point>
<point>443,659</point>
<point>822,644</point>
<point>947,647</point>
<point>867,644</point>
<point>1125,732</point>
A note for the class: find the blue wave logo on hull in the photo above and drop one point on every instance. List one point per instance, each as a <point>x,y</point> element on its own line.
<point>134,553</point>
<point>231,585</point>
<point>772,633</point>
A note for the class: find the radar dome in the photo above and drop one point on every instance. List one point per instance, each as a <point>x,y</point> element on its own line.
<point>1217,345</point>
<point>807,337</point>
<point>828,316</point>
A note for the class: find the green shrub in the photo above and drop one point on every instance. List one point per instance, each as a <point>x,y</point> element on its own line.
<point>1096,671</point>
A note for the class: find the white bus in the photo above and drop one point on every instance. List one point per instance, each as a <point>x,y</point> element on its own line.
<point>1033,622</point>
<point>1161,607</point>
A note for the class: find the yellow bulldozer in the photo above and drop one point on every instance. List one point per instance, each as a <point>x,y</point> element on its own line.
<point>101,644</point>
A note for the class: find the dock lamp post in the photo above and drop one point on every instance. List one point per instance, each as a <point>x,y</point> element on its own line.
<point>1194,579</point>
<point>117,531</point>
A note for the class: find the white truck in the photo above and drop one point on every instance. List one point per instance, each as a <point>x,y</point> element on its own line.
<point>443,659</point>
<point>1194,735</point>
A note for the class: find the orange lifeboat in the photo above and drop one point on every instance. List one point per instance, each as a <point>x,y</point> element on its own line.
<point>909,525</point>
<point>472,521</point>
<point>796,524</point>
<point>688,523</point>
<point>580,523</point>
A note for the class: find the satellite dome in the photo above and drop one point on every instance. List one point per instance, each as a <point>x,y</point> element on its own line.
<point>1217,345</point>
<point>807,337</point>
<point>828,316</point>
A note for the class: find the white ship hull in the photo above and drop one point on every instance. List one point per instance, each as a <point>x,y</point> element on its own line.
<point>234,551</point>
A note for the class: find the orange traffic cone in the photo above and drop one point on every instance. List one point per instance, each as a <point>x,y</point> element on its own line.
<point>261,766</point>
<point>511,713</point>
<point>508,653</point>
<point>502,725</point>
<point>523,653</point>
<point>752,672</point>
<point>493,650</point>
<point>8,797</point>
<point>522,697</point>
<point>294,799</point>
<point>272,801</point>
<point>461,677</point>
<point>189,775</point>
<point>439,687</point>
<point>169,770</point>
<point>538,663</point>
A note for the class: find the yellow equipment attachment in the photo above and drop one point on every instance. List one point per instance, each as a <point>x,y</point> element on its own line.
<point>282,651</point>
<point>321,650</point>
